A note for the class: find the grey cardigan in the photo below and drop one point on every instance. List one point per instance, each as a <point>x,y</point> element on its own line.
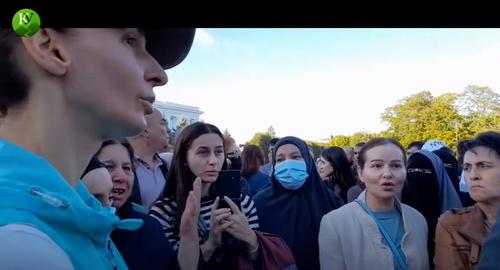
<point>349,239</point>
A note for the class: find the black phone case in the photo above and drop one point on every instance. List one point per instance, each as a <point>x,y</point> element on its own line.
<point>229,184</point>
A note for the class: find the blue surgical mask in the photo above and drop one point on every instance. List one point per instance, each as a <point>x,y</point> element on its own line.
<point>291,173</point>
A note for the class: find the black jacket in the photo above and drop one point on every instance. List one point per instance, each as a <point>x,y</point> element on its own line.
<point>146,248</point>
<point>135,196</point>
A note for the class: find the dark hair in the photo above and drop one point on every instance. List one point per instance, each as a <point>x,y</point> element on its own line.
<point>416,144</point>
<point>342,172</point>
<point>378,142</point>
<point>252,159</point>
<point>461,149</point>
<point>489,139</point>
<point>360,144</point>
<point>125,143</point>
<point>180,178</point>
<point>272,142</point>
<point>14,83</point>
<point>447,149</point>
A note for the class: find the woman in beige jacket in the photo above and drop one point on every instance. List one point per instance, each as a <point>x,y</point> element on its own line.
<point>376,231</point>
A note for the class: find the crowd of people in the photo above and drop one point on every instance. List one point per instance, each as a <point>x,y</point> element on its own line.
<point>86,181</point>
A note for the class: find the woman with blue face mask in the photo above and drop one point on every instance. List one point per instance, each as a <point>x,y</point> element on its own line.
<point>294,203</point>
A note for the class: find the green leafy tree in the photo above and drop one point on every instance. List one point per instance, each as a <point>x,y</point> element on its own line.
<point>340,141</point>
<point>182,122</point>
<point>422,117</point>
<point>316,147</point>
<point>480,108</point>
<point>261,139</point>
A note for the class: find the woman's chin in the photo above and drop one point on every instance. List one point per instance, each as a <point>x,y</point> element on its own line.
<point>209,179</point>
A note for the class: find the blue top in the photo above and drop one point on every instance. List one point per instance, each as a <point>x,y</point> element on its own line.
<point>34,193</point>
<point>393,224</point>
<point>257,182</point>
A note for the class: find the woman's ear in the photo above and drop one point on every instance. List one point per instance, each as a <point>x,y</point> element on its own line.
<point>360,173</point>
<point>47,50</point>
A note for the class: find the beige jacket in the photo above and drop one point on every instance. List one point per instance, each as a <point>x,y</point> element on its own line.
<point>349,239</point>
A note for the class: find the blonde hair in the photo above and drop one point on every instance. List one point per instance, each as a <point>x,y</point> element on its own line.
<point>228,142</point>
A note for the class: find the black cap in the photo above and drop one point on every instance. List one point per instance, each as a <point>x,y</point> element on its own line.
<point>169,46</point>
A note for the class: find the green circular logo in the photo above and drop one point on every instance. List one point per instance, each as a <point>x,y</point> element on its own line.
<point>26,22</point>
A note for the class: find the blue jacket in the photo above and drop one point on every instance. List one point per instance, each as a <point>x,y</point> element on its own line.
<point>34,193</point>
<point>489,251</point>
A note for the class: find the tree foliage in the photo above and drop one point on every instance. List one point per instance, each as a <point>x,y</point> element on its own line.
<point>181,123</point>
<point>271,132</point>
<point>261,140</point>
<point>449,117</point>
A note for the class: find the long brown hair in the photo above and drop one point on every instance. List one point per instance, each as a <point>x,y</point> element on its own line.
<point>180,178</point>
<point>252,158</point>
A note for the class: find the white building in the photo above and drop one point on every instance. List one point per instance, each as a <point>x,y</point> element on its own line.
<point>173,112</point>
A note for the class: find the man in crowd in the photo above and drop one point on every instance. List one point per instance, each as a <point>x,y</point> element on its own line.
<point>266,169</point>
<point>414,146</point>
<point>151,170</point>
<point>349,152</point>
<point>357,149</point>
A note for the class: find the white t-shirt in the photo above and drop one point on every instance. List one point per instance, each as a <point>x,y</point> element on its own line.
<point>24,247</point>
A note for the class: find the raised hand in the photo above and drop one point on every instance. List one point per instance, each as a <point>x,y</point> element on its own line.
<point>189,219</point>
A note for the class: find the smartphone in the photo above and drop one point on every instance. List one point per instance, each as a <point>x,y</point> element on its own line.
<point>229,184</point>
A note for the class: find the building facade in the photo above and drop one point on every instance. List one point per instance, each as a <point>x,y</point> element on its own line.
<point>173,112</point>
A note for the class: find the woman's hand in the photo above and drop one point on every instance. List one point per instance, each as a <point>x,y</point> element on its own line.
<point>189,245</point>
<point>189,219</point>
<point>239,227</point>
<point>216,227</point>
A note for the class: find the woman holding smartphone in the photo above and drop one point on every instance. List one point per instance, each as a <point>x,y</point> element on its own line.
<point>199,154</point>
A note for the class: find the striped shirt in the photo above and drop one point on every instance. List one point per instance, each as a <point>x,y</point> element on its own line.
<point>165,209</point>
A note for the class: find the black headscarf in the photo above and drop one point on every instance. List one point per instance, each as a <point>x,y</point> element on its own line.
<point>95,163</point>
<point>295,215</point>
<point>429,190</point>
<point>451,166</point>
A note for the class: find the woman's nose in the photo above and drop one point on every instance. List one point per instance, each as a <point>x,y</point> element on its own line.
<point>118,176</point>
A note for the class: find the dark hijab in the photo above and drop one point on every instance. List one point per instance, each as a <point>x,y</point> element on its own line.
<point>295,215</point>
<point>429,190</point>
<point>95,163</point>
<point>451,166</point>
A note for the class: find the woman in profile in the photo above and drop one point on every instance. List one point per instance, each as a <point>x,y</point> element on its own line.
<point>334,167</point>
<point>389,235</point>
<point>63,92</point>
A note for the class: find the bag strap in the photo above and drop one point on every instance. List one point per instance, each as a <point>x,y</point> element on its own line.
<point>385,234</point>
